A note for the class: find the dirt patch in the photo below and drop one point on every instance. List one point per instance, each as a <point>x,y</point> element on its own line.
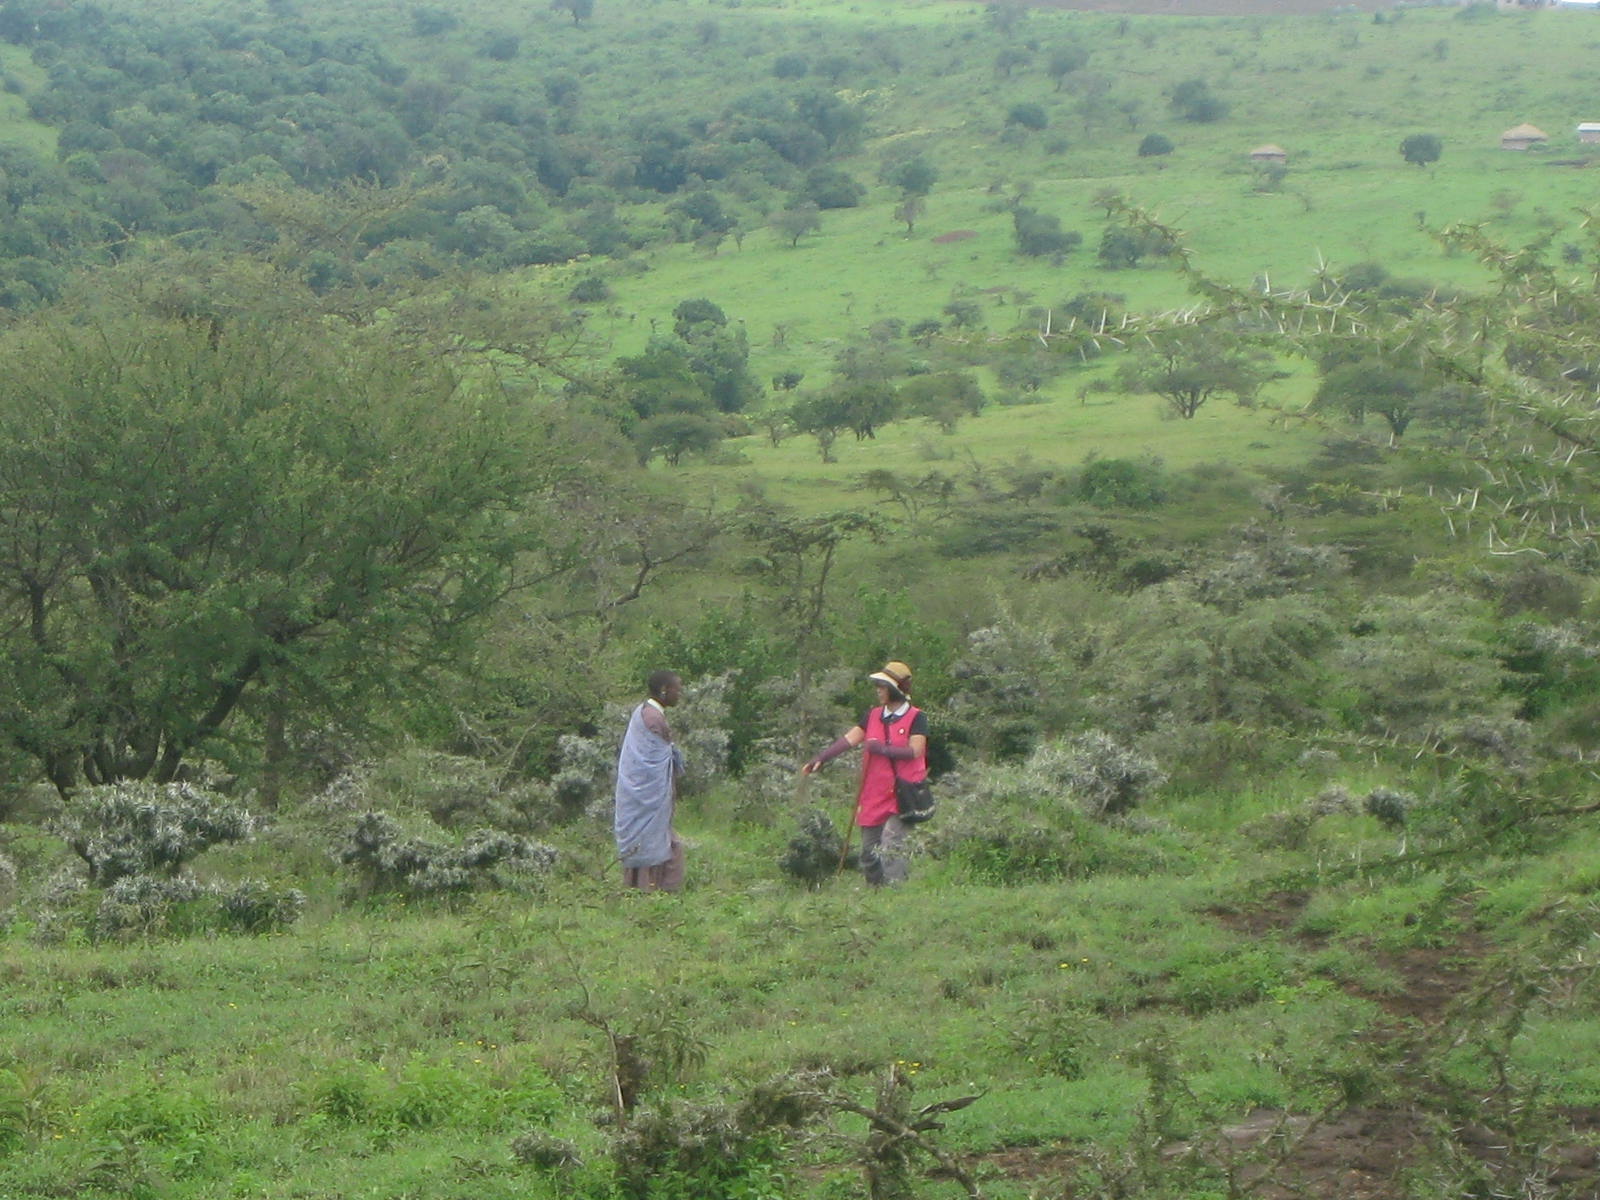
<point>1364,1153</point>
<point>1372,1151</point>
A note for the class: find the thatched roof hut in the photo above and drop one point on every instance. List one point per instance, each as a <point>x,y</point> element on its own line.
<point>1523,137</point>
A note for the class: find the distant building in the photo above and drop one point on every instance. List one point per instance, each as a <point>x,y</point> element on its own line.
<point>1269,154</point>
<point>1589,132</point>
<point>1523,137</point>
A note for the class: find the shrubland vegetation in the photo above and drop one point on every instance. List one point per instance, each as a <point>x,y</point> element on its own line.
<point>389,389</point>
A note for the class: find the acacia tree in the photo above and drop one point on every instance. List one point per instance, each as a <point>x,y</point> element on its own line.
<point>1189,365</point>
<point>189,507</point>
<point>1372,386</point>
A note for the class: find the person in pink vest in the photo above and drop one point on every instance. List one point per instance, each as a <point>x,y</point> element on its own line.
<point>893,736</point>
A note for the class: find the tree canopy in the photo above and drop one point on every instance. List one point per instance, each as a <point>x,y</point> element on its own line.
<point>189,507</point>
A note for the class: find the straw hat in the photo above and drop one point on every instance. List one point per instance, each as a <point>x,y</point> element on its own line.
<point>895,675</point>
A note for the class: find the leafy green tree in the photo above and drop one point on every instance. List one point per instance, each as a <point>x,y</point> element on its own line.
<point>1416,666</point>
<point>663,380</point>
<point>1422,148</point>
<point>823,416</point>
<point>1122,248</point>
<point>1154,145</point>
<point>430,22</point>
<point>796,556</point>
<point>797,221</point>
<point>1372,385</point>
<point>694,316</point>
<point>1174,661</point>
<point>674,434</point>
<point>1028,115</point>
<point>1005,16</point>
<point>1010,58</point>
<point>1040,234</point>
<point>1064,60</point>
<point>580,10</point>
<point>830,187</point>
<point>964,313</point>
<point>943,397</point>
<point>1193,100</point>
<point>867,404</point>
<point>1189,365</point>
<point>910,210</point>
<point>914,177</point>
<point>189,507</point>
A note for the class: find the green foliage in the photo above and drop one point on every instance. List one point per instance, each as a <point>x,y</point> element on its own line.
<point>152,1112</point>
<point>1193,100</point>
<point>1038,233</point>
<point>1421,149</point>
<point>389,861</point>
<point>426,1093</point>
<point>1027,115</point>
<point>1121,249</point>
<point>674,435</point>
<point>797,220</point>
<point>914,177</point>
<point>721,1150</point>
<point>136,828</point>
<point>1188,366</point>
<point>1104,778</point>
<point>244,502</point>
<point>832,187</point>
<point>1121,483</point>
<point>1209,979</point>
<point>430,22</point>
<point>1418,666</point>
<point>816,853</point>
<point>1014,828</point>
<point>1371,385</point>
<point>1154,145</point>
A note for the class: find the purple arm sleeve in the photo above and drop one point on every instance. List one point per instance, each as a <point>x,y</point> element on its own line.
<point>836,748</point>
<point>899,752</point>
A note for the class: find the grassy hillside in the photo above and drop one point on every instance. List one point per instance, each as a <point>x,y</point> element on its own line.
<point>1264,865</point>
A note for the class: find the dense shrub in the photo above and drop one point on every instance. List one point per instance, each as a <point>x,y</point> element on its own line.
<point>1121,483</point>
<point>1009,826</point>
<point>1040,234</point>
<point>816,853</point>
<point>1102,777</point>
<point>1006,688</point>
<point>255,906</point>
<point>390,861</point>
<point>153,906</point>
<point>1028,115</point>
<point>139,828</point>
<point>715,1148</point>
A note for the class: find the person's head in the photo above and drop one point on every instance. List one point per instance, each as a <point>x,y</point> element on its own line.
<point>893,680</point>
<point>666,687</point>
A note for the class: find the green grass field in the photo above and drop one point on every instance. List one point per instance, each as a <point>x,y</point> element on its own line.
<point>1122,997</point>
